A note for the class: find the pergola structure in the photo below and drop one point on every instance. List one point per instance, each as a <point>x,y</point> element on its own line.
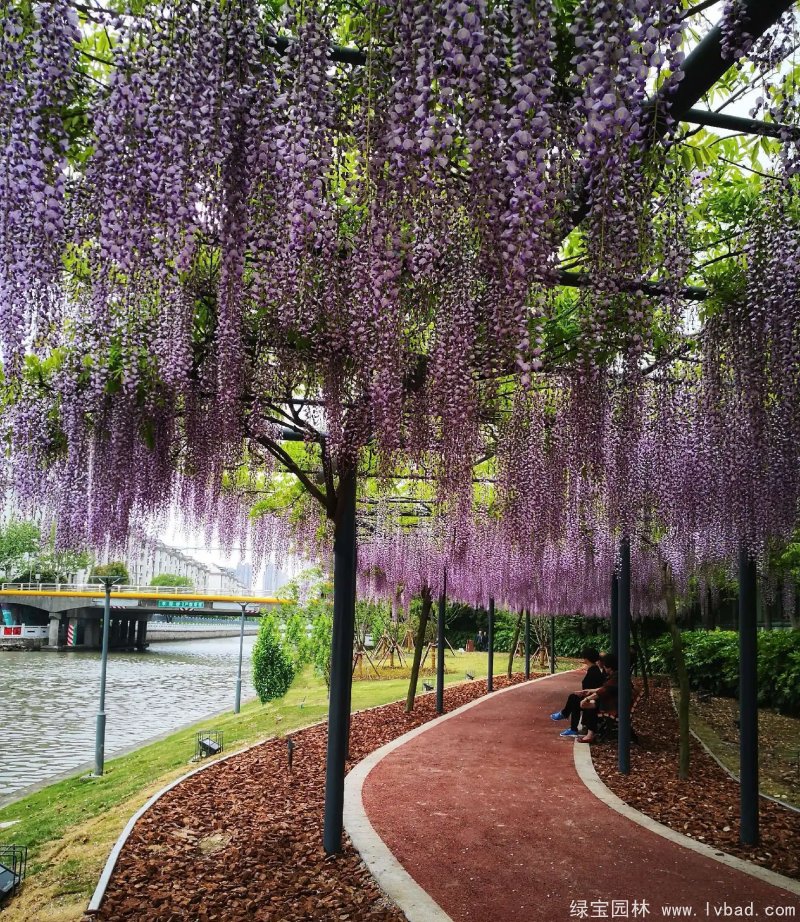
<point>702,69</point>
<point>259,239</point>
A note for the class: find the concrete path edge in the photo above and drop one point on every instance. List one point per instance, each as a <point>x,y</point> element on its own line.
<point>584,766</point>
<point>391,876</point>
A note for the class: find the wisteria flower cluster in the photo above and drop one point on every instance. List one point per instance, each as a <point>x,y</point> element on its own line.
<point>217,228</point>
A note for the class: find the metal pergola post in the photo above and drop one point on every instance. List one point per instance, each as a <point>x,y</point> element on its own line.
<point>552,644</point>
<point>614,613</point>
<point>490,644</point>
<point>237,703</point>
<point>344,600</point>
<point>440,648</point>
<point>527,644</point>
<point>748,699</point>
<point>624,659</point>
<point>100,724</point>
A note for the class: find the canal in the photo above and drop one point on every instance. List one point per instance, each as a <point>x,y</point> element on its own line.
<point>49,702</point>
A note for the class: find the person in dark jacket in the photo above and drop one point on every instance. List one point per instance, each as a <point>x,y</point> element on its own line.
<point>592,680</point>
<point>604,699</point>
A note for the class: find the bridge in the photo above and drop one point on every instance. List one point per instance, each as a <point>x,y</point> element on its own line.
<point>70,616</point>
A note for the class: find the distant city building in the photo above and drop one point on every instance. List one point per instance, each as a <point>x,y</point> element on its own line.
<point>149,557</point>
<point>244,573</point>
<point>275,577</point>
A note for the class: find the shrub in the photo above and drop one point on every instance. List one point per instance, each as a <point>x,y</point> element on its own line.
<point>273,665</point>
<point>712,661</point>
<point>296,638</point>
<point>113,568</point>
<point>171,579</point>
<point>319,643</point>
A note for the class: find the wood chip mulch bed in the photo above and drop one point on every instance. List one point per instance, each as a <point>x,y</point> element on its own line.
<point>705,806</point>
<point>242,839</point>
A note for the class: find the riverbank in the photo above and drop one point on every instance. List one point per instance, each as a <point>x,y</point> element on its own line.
<point>70,827</point>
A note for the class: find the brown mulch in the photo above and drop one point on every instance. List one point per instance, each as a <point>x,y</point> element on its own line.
<point>705,806</point>
<point>778,743</point>
<point>242,840</point>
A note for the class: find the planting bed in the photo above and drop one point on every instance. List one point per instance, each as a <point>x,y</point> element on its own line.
<point>706,806</point>
<point>242,839</point>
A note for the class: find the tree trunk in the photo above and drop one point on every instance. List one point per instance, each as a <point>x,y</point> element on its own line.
<point>790,603</point>
<point>640,660</point>
<point>683,679</point>
<point>514,643</point>
<point>419,643</point>
<point>706,614</point>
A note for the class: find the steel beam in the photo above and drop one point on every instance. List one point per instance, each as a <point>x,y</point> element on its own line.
<point>748,699</point>
<point>705,65</point>
<point>490,644</point>
<point>440,648</point>
<point>624,660</point>
<point>738,124</point>
<point>344,600</point>
<point>614,613</point>
<point>527,644</point>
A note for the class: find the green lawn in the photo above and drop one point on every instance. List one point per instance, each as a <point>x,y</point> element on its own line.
<point>71,826</point>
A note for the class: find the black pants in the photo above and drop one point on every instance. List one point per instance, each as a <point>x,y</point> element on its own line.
<point>590,719</point>
<point>572,709</point>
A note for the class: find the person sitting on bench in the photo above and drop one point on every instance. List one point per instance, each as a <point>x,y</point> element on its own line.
<point>592,681</point>
<point>604,699</point>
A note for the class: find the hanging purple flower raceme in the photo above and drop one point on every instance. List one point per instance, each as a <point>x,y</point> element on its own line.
<point>736,40</point>
<point>38,79</point>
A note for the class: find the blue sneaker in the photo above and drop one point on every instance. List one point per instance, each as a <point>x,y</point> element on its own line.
<point>558,716</point>
<point>569,733</point>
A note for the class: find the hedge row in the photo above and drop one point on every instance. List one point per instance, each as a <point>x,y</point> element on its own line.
<point>712,661</point>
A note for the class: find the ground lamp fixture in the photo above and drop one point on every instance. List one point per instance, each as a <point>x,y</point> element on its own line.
<point>427,686</point>
<point>208,743</point>
<point>470,676</point>
<point>100,729</point>
<point>13,861</point>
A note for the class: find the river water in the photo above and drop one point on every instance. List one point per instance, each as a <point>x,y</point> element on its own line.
<point>50,700</point>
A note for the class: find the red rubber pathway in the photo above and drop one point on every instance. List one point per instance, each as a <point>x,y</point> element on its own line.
<point>487,813</point>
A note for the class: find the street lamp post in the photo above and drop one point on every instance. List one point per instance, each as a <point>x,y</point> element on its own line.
<point>100,730</point>
<point>238,702</point>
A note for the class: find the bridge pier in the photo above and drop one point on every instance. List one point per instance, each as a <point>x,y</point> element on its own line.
<point>92,632</point>
<point>55,629</point>
<point>141,634</point>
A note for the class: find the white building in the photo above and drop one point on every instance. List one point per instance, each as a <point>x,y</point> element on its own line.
<point>149,557</point>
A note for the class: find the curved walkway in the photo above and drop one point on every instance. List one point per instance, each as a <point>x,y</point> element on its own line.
<point>486,812</point>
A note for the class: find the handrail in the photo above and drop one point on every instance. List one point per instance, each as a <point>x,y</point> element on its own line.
<point>65,590</point>
<point>122,587</point>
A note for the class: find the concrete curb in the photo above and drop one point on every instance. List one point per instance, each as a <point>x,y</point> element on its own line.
<point>732,775</point>
<point>416,903</point>
<point>588,775</point>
